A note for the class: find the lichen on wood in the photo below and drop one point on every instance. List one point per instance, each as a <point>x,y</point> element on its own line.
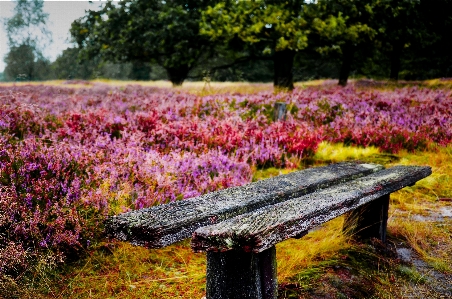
<point>261,229</point>
<point>163,225</point>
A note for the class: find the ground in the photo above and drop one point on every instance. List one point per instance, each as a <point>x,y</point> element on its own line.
<point>415,263</point>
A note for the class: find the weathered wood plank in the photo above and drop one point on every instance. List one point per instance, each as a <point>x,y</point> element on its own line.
<point>279,111</point>
<point>369,220</point>
<point>241,275</point>
<point>261,229</point>
<point>163,225</point>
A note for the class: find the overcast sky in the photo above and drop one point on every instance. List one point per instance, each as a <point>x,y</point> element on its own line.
<point>61,15</point>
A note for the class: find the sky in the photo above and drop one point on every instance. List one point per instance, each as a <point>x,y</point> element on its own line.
<point>61,15</point>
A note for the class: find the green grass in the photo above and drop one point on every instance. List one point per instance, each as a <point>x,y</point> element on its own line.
<point>412,274</point>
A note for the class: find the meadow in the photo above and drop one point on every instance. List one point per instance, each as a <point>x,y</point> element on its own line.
<point>73,153</point>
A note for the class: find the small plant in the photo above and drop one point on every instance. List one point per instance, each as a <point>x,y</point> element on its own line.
<point>412,274</point>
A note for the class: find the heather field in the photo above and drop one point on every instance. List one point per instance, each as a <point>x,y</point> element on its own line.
<point>72,154</point>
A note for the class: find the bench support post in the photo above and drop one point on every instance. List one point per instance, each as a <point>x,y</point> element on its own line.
<point>241,275</point>
<point>279,111</point>
<point>369,220</point>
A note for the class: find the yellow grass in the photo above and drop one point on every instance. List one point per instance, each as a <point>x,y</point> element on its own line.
<point>125,271</point>
<point>198,87</point>
<point>339,152</point>
<point>429,238</point>
<point>177,272</point>
<point>294,255</point>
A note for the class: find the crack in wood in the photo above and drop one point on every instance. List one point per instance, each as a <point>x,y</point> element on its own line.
<point>163,225</point>
<point>265,227</point>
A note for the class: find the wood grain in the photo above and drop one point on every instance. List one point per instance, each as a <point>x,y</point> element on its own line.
<point>265,227</point>
<point>166,224</point>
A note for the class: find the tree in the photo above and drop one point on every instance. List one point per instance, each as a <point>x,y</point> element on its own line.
<point>162,32</point>
<point>384,38</point>
<point>401,25</point>
<point>67,66</point>
<point>429,55</point>
<point>271,30</point>
<point>22,64</point>
<point>25,57</point>
<point>140,71</point>
<point>28,19</point>
<point>346,27</point>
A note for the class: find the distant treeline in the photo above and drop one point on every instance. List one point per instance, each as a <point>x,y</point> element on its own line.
<point>256,41</point>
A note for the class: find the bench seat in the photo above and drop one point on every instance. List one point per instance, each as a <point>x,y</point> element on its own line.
<point>166,224</point>
<point>265,227</point>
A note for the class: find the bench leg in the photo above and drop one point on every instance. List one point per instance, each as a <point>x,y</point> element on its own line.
<point>241,275</point>
<point>369,220</point>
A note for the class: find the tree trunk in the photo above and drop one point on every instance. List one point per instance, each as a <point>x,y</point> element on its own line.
<point>395,60</point>
<point>283,69</point>
<point>177,75</point>
<point>348,51</point>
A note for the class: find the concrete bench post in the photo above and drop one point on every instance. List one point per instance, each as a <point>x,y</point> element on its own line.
<point>236,274</point>
<point>369,220</point>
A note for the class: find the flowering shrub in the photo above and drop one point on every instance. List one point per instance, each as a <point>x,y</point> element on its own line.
<point>59,194</point>
<point>70,157</point>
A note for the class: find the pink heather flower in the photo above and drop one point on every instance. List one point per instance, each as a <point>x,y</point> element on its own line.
<point>68,153</point>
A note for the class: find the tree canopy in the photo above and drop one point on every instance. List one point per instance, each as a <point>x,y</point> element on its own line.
<point>25,60</point>
<point>265,29</point>
<point>163,32</point>
<point>28,19</point>
<point>259,40</point>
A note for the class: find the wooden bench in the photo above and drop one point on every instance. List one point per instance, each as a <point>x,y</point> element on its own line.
<point>238,227</point>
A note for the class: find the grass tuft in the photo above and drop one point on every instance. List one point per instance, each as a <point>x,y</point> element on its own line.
<point>338,152</point>
<point>411,274</point>
<point>120,270</point>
